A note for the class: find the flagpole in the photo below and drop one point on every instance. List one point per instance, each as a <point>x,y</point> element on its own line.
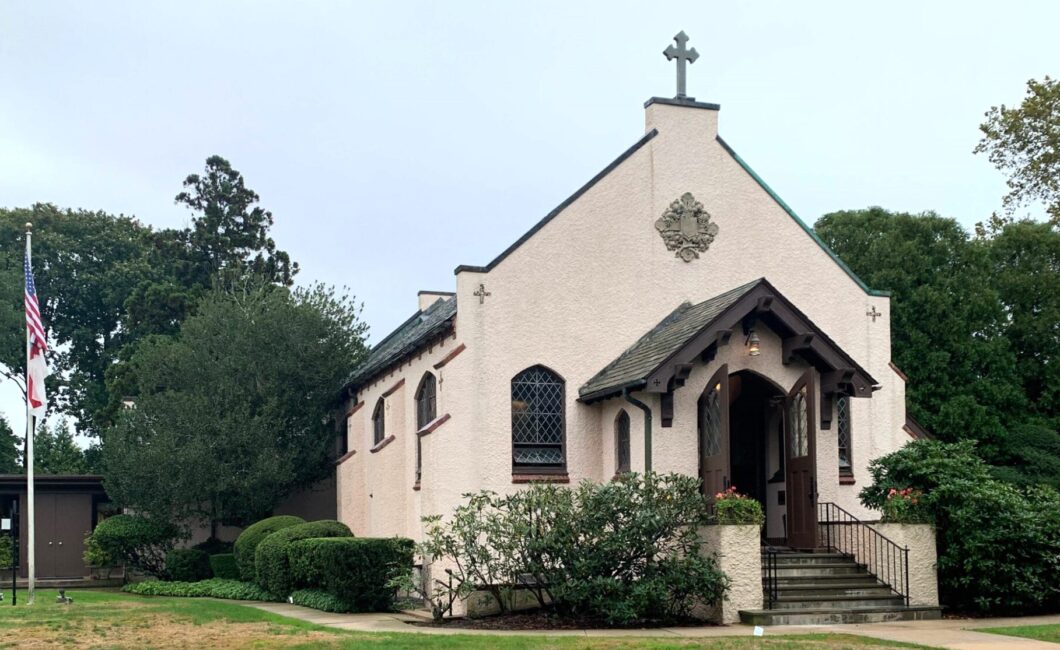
<point>31,529</point>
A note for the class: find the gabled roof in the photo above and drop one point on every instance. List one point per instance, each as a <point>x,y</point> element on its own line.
<point>409,337</point>
<point>660,356</point>
<point>632,367</point>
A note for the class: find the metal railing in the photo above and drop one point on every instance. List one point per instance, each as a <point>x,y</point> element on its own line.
<point>771,580</point>
<point>844,533</point>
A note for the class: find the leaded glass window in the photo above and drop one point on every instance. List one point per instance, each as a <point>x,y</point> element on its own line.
<point>378,422</point>
<point>842,416</point>
<point>710,421</point>
<point>426,412</point>
<point>622,442</point>
<point>798,422</point>
<point>538,427</point>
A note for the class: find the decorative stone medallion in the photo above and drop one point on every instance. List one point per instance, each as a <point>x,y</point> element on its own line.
<point>686,228</point>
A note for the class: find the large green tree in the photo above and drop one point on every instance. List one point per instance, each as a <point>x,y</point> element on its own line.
<point>1024,143</point>
<point>233,413</point>
<point>56,452</point>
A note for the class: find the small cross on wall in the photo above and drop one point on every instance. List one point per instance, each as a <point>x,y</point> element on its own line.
<point>481,293</point>
<point>875,314</point>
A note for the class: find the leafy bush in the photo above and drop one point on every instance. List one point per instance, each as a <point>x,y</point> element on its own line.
<point>358,572</point>
<point>212,588</point>
<point>322,600</point>
<point>906,507</point>
<point>94,555</point>
<point>731,507</point>
<point>223,565</point>
<point>137,542</point>
<point>213,546</point>
<point>998,545</point>
<point>247,542</point>
<point>625,551</point>
<point>187,565</point>
<point>271,558</point>
<point>6,549</point>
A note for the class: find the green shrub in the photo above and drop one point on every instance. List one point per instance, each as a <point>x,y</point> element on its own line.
<point>731,507</point>
<point>6,549</point>
<point>94,555</point>
<point>212,588</point>
<point>223,565</point>
<point>271,560</point>
<point>136,541</point>
<point>998,545</point>
<point>187,565</point>
<point>247,542</point>
<point>213,546</point>
<point>322,600</point>
<point>358,572</point>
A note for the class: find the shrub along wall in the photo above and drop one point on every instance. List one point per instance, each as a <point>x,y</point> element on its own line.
<point>188,565</point>
<point>223,565</point>
<point>271,557</point>
<point>358,572</point>
<point>247,543</point>
<point>136,542</point>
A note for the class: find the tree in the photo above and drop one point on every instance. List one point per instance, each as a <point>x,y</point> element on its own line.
<point>55,452</point>
<point>232,413</point>
<point>1024,142</point>
<point>10,449</point>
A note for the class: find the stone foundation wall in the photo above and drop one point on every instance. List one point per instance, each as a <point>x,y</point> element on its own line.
<point>738,550</point>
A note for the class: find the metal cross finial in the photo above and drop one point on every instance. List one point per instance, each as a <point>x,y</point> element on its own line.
<point>875,314</point>
<point>481,293</point>
<point>681,54</point>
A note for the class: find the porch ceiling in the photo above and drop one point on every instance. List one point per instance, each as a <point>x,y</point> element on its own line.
<point>661,359</point>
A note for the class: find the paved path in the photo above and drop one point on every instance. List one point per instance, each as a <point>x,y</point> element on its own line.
<point>956,634</point>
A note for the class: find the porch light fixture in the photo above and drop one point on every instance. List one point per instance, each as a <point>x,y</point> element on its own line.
<point>753,342</point>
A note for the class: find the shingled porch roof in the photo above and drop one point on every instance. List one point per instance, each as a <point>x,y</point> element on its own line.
<point>664,355</point>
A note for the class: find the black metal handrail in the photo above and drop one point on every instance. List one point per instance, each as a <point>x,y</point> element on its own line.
<point>771,581</point>
<point>844,533</point>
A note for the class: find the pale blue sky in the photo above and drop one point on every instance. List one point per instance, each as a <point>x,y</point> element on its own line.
<point>394,141</point>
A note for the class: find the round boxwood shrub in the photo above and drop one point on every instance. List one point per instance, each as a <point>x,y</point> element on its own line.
<point>248,540</point>
<point>273,565</point>
<point>188,565</point>
<point>224,566</point>
<point>358,572</point>
<point>136,541</point>
<point>213,546</point>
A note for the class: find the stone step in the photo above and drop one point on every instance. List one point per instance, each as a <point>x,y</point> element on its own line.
<point>870,589</point>
<point>818,570</point>
<point>831,616</point>
<point>789,559</point>
<point>865,579</point>
<point>837,602</point>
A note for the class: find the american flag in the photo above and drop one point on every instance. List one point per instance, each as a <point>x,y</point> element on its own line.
<point>37,344</point>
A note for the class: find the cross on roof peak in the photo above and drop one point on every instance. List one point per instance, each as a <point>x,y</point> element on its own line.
<point>682,55</point>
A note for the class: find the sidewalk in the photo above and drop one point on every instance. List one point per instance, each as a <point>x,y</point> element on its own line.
<point>956,634</point>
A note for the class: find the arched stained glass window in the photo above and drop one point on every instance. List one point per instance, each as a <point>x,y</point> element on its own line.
<point>379,422</point>
<point>710,421</point>
<point>538,423</point>
<point>842,416</point>
<point>426,412</point>
<point>799,423</point>
<point>622,442</point>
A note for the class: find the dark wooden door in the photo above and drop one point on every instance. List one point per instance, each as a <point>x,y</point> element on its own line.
<point>44,506</point>
<point>800,443</point>
<point>73,522</point>
<point>713,424</point>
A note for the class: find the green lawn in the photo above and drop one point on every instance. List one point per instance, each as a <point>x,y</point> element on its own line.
<point>100,619</point>
<point>1040,632</point>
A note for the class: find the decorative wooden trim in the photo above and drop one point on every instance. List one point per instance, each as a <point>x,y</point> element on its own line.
<point>846,479</point>
<point>898,371</point>
<point>432,425</point>
<point>345,457</point>
<point>449,357</point>
<point>356,407</point>
<point>540,478</point>
<point>382,443</point>
<point>390,391</point>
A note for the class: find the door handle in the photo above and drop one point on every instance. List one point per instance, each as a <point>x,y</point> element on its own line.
<point>60,543</point>
<point>49,543</point>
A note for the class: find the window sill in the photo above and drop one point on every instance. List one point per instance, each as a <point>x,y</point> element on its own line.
<point>382,443</point>
<point>345,457</point>
<point>846,479</point>
<point>555,477</point>
<point>432,425</point>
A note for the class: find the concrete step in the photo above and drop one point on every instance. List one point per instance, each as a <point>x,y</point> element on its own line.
<point>787,559</point>
<point>830,569</point>
<point>873,589</point>
<point>833,615</point>
<point>837,602</point>
<point>863,579</point>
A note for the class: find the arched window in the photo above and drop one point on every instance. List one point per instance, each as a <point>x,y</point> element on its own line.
<point>622,442</point>
<point>842,408</point>
<point>378,422</point>
<point>426,412</point>
<point>538,426</point>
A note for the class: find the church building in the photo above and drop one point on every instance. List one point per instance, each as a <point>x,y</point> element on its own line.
<point>674,315</point>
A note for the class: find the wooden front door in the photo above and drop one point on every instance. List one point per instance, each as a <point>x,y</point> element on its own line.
<point>713,424</point>
<point>800,444</point>
<point>63,522</point>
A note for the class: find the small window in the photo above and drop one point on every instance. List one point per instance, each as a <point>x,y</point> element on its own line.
<point>378,422</point>
<point>426,412</point>
<point>538,426</point>
<point>842,416</point>
<point>622,442</point>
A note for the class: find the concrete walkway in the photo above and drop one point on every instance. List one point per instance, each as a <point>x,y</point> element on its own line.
<point>957,634</point>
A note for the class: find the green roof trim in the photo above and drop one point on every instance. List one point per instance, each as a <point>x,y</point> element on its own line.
<point>802,224</point>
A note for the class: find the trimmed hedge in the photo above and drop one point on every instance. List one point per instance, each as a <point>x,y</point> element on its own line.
<point>213,546</point>
<point>224,566</point>
<point>322,600</point>
<point>188,565</point>
<point>248,540</point>
<point>356,571</point>
<point>271,558</point>
<point>136,541</point>
<point>212,588</point>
